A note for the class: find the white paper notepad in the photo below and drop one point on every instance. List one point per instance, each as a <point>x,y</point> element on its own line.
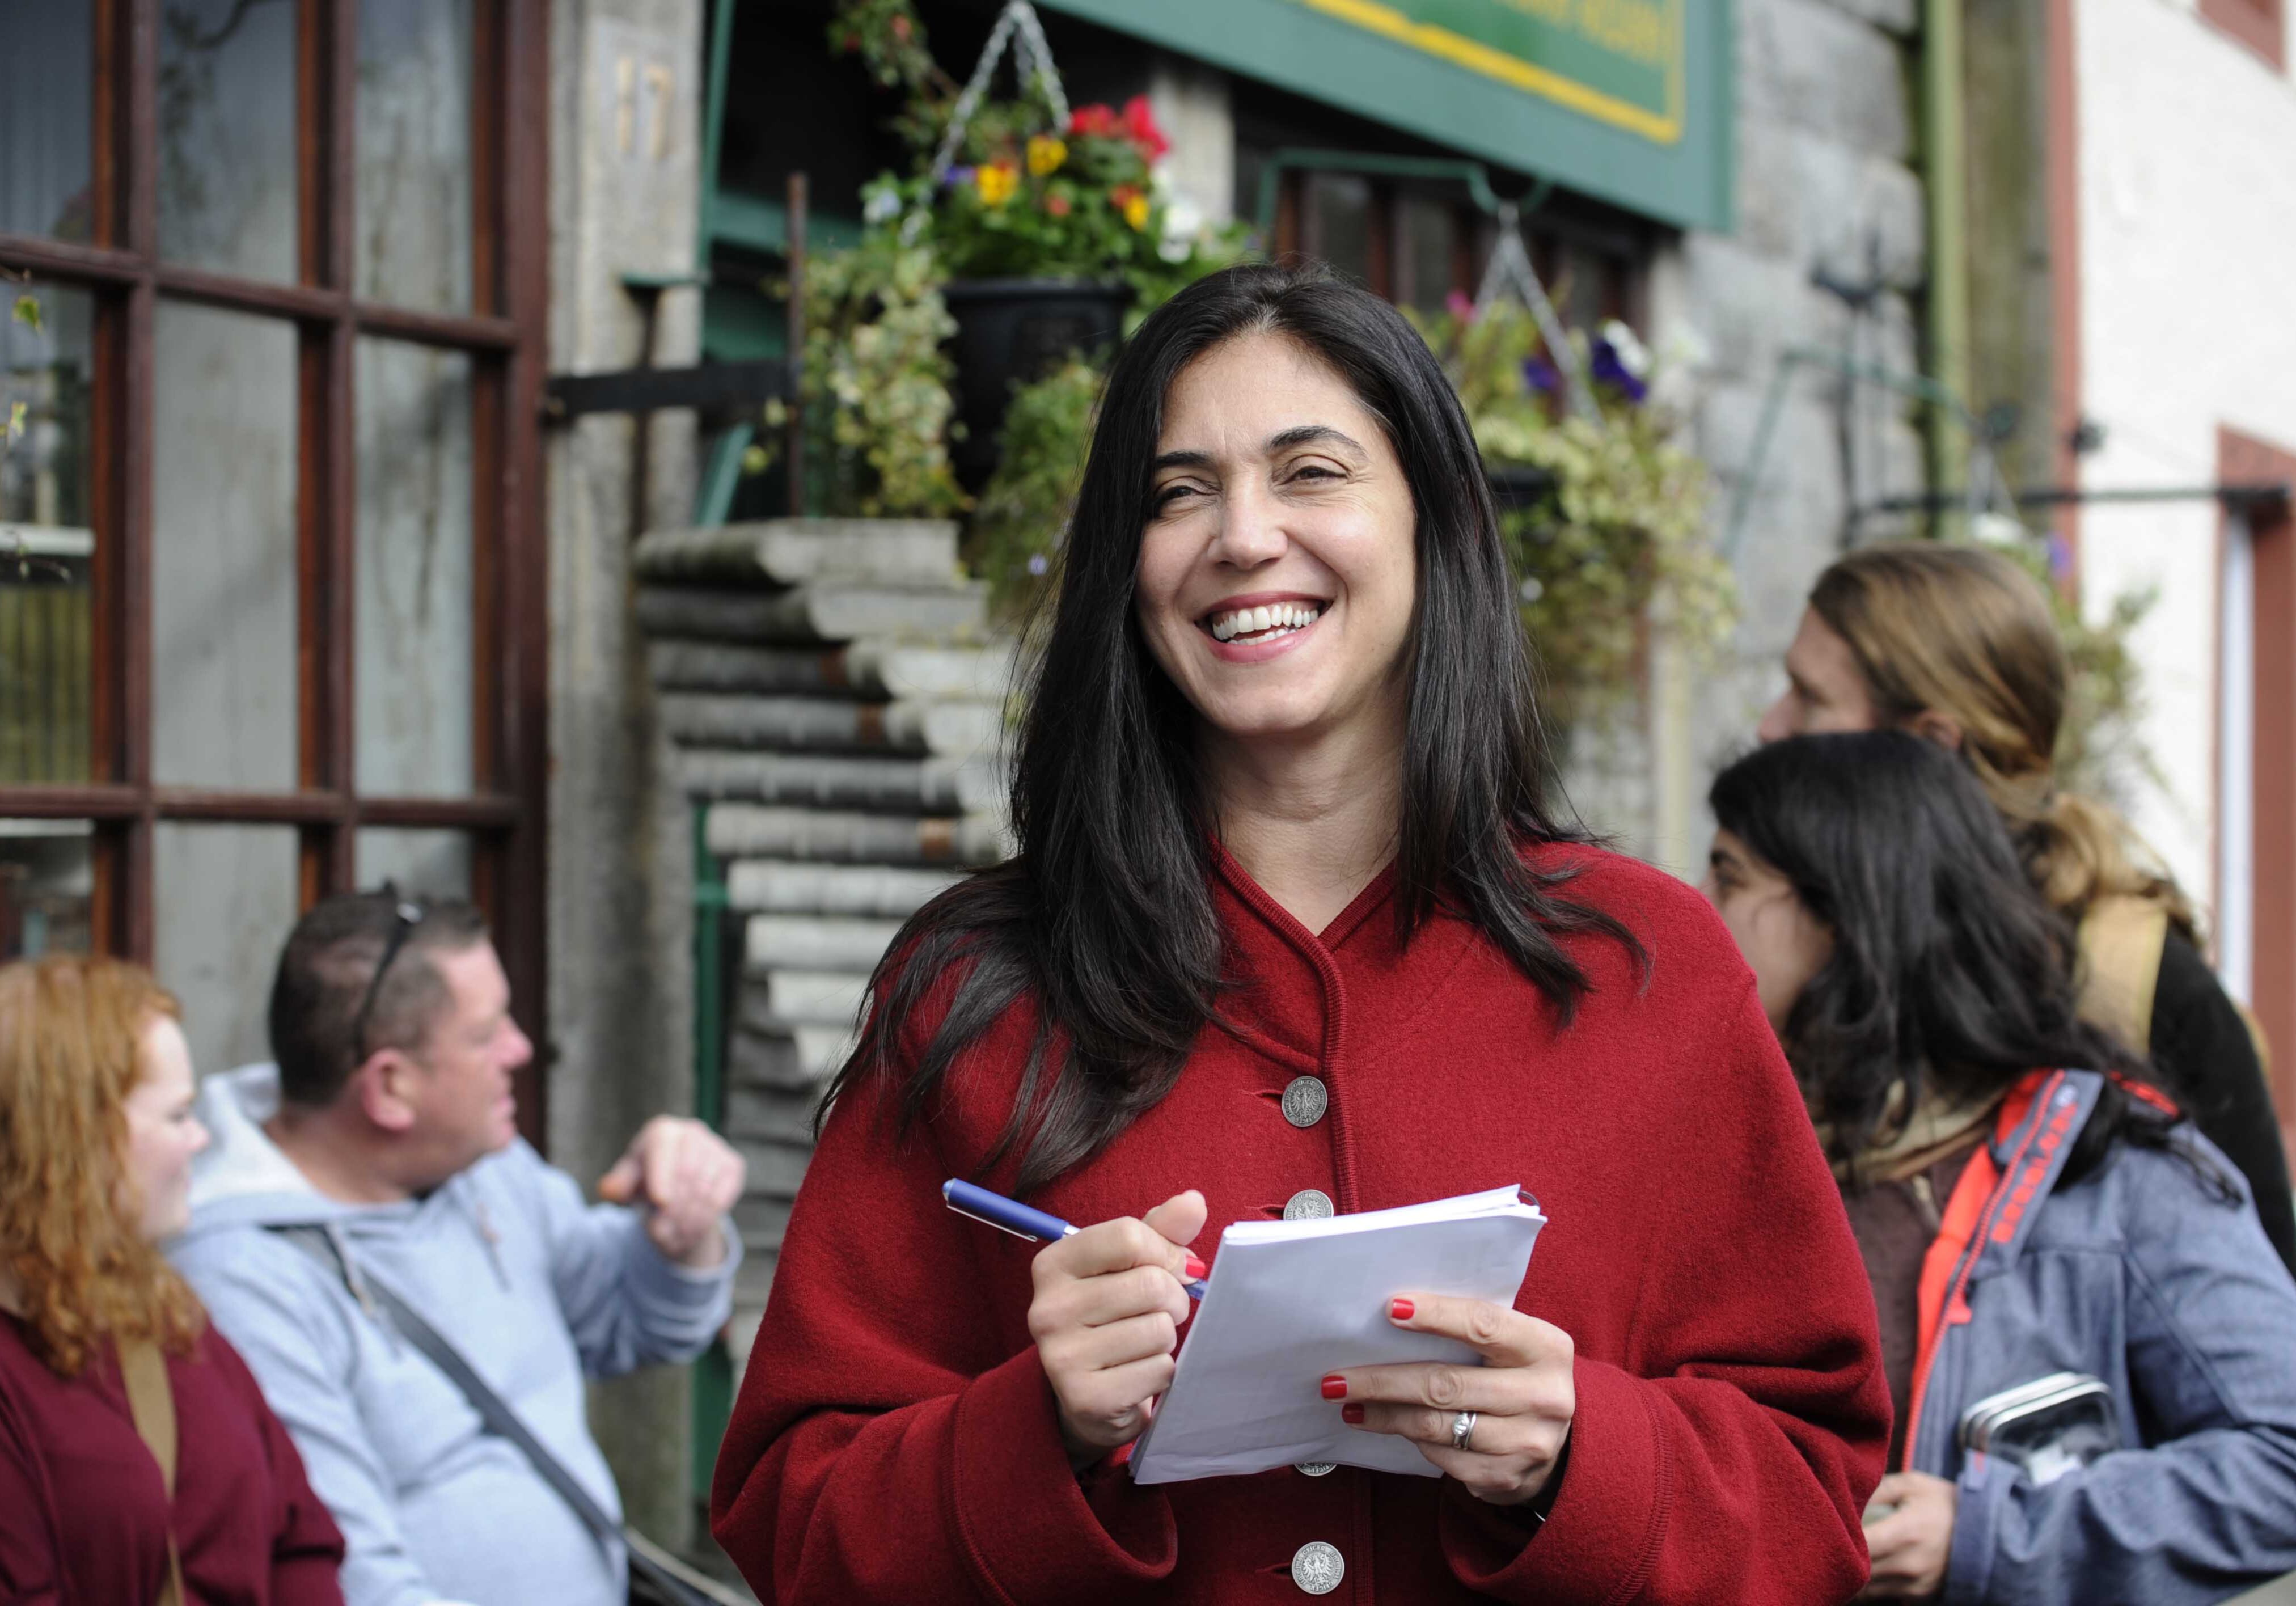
<point>1291,1300</point>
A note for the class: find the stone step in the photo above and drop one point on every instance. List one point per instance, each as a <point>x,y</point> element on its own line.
<point>771,941</point>
<point>907,786</point>
<point>827,613</point>
<point>792,1058</point>
<point>792,552</point>
<point>790,887</point>
<point>783,1114</point>
<point>775,1169</point>
<point>865,668</point>
<point>801,997</point>
<point>761,1220</point>
<point>762,830</point>
<point>954,730</point>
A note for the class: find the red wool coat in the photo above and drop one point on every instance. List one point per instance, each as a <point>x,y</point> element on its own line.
<point>895,1439</point>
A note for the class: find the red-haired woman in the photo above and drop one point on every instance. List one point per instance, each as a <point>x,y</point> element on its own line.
<point>108,1369</point>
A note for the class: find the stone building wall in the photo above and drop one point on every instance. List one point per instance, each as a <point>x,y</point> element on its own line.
<point>625,87</point>
<point>1827,184</point>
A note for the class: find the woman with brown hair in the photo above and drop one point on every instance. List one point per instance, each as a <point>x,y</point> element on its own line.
<point>138,1461</point>
<point>1957,643</point>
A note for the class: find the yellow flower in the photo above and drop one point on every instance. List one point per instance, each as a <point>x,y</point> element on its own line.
<point>1136,211</point>
<point>997,181</point>
<point>1045,154</point>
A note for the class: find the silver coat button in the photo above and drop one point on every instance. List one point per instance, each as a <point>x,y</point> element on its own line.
<point>1317,1567</point>
<point>1315,1469</point>
<point>1309,1204</point>
<point>1305,1100</point>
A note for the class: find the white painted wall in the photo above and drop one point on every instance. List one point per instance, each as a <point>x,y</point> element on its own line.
<point>2187,160</point>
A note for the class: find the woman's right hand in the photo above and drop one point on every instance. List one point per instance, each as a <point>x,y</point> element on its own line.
<point>1106,1318</point>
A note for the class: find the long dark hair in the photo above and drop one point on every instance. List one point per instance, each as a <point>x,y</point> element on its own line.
<point>1949,973</point>
<point>1104,916</point>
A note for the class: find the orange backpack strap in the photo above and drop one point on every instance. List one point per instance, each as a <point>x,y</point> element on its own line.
<point>1989,1205</point>
<point>151,1402</point>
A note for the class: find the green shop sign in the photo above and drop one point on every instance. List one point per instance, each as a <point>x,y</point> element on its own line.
<point>1629,100</point>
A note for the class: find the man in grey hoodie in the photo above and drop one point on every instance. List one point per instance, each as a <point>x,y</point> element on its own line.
<point>387,1125</point>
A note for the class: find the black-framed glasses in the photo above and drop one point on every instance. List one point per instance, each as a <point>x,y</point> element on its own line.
<point>406,914</point>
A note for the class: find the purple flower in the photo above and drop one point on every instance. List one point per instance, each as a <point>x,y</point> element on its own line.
<point>2060,557</point>
<point>1037,564</point>
<point>1608,370</point>
<point>957,175</point>
<point>1541,376</point>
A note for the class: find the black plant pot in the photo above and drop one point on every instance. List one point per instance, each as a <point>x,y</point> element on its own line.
<point>1013,332</point>
<point>1516,486</point>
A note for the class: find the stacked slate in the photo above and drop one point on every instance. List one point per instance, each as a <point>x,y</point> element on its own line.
<point>835,699</point>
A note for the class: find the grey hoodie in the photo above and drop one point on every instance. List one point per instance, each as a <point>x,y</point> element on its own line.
<point>534,1288</point>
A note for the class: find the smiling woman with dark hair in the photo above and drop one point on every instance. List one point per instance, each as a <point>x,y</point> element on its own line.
<point>1293,930</point>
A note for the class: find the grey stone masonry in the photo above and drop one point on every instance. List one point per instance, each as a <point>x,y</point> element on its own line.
<point>833,698</point>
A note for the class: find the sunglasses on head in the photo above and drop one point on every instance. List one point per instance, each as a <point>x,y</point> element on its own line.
<point>405,915</point>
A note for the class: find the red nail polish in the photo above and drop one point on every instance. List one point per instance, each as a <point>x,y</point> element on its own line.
<point>1351,1414</point>
<point>1197,1270</point>
<point>1400,1311</point>
<point>1335,1387</point>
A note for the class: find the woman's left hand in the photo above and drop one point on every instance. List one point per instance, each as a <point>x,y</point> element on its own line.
<point>1523,1395</point>
<point>1911,1546</point>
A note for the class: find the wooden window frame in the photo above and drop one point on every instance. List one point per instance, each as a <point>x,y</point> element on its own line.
<point>505,336</point>
<point>2271,533</point>
<point>2261,25</point>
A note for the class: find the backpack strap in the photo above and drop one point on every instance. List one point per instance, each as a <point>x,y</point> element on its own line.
<point>151,1402</point>
<point>2120,943</point>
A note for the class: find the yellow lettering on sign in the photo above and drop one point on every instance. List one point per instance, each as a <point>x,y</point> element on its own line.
<point>1555,12</point>
<point>1634,28</point>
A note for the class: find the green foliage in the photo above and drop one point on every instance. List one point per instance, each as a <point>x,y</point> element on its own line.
<point>1024,509</point>
<point>2100,748</point>
<point>1029,197</point>
<point>876,392</point>
<point>28,313</point>
<point>1621,526</point>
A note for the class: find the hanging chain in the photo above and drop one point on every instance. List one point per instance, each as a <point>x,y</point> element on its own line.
<point>1510,268</point>
<point>1018,28</point>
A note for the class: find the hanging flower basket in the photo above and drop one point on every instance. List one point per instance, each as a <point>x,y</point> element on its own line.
<point>1014,331</point>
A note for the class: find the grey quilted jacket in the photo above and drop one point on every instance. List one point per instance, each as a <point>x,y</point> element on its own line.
<point>2141,1276</point>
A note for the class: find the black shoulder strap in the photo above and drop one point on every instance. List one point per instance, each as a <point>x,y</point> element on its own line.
<point>667,1578</point>
<point>494,1410</point>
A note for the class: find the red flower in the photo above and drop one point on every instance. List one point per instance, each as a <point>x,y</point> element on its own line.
<point>1057,204</point>
<point>1140,127</point>
<point>900,28</point>
<point>1094,119</point>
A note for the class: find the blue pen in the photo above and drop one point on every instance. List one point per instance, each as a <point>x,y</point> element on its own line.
<point>1010,1216</point>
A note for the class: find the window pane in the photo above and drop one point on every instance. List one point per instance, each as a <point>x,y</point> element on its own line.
<point>1340,204</point>
<point>227,135</point>
<point>225,898</point>
<point>427,863</point>
<point>45,547</point>
<point>47,887</point>
<point>414,597</point>
<point>47,77</point>
<point>1427,234</point>
<point>414,153</point>
<point>223,550</point>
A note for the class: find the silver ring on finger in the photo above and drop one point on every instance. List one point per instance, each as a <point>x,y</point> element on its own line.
<point>1463,1429</point>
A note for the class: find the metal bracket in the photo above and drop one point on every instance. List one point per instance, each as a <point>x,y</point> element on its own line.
<point>710,386</point>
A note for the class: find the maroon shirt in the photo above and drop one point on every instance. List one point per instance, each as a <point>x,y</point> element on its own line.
<point>85,1519</point>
